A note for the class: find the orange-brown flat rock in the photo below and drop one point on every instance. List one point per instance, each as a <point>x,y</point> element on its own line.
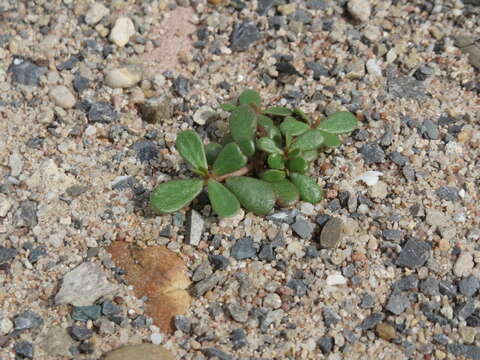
<point>157,273</point>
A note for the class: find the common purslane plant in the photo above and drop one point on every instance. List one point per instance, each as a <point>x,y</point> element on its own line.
<point>274,146</point>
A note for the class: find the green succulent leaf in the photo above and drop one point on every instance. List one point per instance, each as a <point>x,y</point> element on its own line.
<point>339,123</point>
<point>228,107</point>
<point>275,161</point>
<point>272,175</point>
<point>250,97</point>
<point>330,140</point>
<point>287,193</point>
<point>211,151</point>
<point>298,164</point>
<point>230,159</point>
<point>293,127</point>
<point>277,111</point>
<point>190,147</point>
<point>308,187</point>
<point>243,125</point>
<point>294,153</point>
<point>264,121</point>
<point>302,116</point>
<point>224,203</point>
<point>310,140</point>
<point>268,145</point>
<point>173,195</point>
<point>255,195</point>
<point>310,155</point>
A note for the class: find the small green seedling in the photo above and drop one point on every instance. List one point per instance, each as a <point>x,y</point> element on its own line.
<point>275,146</point>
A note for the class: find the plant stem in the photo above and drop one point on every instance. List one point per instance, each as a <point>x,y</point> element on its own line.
<point>239,172</point>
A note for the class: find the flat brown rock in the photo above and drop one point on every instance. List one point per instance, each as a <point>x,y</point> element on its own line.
<point>157,273</point>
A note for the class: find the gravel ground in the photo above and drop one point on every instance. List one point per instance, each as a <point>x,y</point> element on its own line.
<point>92,96</point>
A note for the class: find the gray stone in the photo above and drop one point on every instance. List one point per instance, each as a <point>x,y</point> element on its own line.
<point>359,9</point>
<point>406,87</point>
<point>109,308</point>
<point>182,323</point>
<point>28,320</point>
<point>204,114</point>
<point>468,45</point>
<point>398,158</point>
<point>157,109</point>
<point>37,253</point>
<point>430,130</point>
<point>408,282</point>
<point>243,249</point>
<point>371,321</point>
<point>287,217</point>
<point>219,262</point>
<point>467,351</point>
<point>194,228</point>
<point>26,215</point>
<point>238,337</point>
<point>392,235</point>
<point>468,286</point>
<point>330,317</point>
<point>367,301</point>
<point>449,193</point>
<point>303,228</point>
<point>205,285</point>
<point>102,112</point>
<point>25,72</point>
<point>181,85</point>
<point>243,36</point>
<point>238,312</point>
<point>24,349</point>
<point>331,234</point>
<point>326,343</point>
<point>266,252</point>
<point>430,286</point>
<point>414,254</point>
<point>298,286</point>
<point>7,254</point>
<point>84,313</point>
<point>84,285</point>
<point>80,83</point>
<point>146,150</point>
<point>435,217</point>
<point>80,333</point>
<point>372,153</point>
<point>202,271</point>
<point>397,303</point>
<point>465,310</point>
<point>318,69</point>
<point>218,354</point>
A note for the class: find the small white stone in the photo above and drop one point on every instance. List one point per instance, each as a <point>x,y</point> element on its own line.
<point>156,338</point>
<point>5,205</point>
<point>370,178</point>
<point>122,31</point>
<point>464,265</point>
<point>96,12</point>
<point>360,9</point>
<point>379,190</point>
<point>6,326</point>
<point>124,77</point>
<point>16,164</point>
<point>307,209</point>
<point>62,96</point>
<point>90,130</point>
<point>203,114</point>
<point>272,301</point>
<point>336,279</point>
<point>373,68</point>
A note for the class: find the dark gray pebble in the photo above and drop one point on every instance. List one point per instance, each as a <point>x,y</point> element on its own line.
<point>266,252</point>
<point>109,308</point>
<point>467,351</point>
<point>243,36</point>
<point>219,262</point>
<point>367,301</point>
<point>430,286</point>
<point>298,286</point>
<point>25,72</point>
<point>397,303</point>
<point>330,317</point>
<point>102,112</point>
<point>24,349</point>
<point>84,313</point>
<point>398,158</point>
<point>303,228</point>
<point>80,333</point>
<point>182,323</point>
<point>371,321</point>
<point>238,338</point>
<point>372,153</point>
<point>408,282</point>
<point>392,235</point>
<point>449,193</point>
<point>7,254</point>
<point>181,85</point>
<point>468,286</point>
<point>146,150</point>
<point>414,254</point>
<point>28,320</point>
<point>325,344</point>
<point>430,130</point>
<point>243,249</point>
<point>219,354</point>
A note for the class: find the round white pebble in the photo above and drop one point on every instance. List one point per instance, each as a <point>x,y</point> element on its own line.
<point>156,338</point>
<point>336,279</point>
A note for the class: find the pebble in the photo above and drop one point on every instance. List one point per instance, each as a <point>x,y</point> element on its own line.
<point>430,286</point>
<point>25,72</point>
<point>464,265</point>
<point>336,279</point>
<point>266,252</point>
<point>24,349</point>
<point>102,112</point>
<point>359,9</point>
<point>298,286</point>
<point>331,234</point>
<point>372,153</point>
<point>140,352</point>
<point>393,235</point>
<point>80,83</point>
<point>371,321</point>
<point>367,301</point>
<point>378,191</point>
<point>330,317</point>
<point>124,77</point>
<point>218,354</point>
<point>83,285</point>
<point>468,286</point>
<point>28,320</point>
<point>80,333</point>
<point>243,249</point>
<point>414,254</point>
<point>182,323</point>
<point>7,254</point>
<point>95,13</point>
<point>385,331</point>
<point>303,228</point>
<point>56,342</point>
<point>5,205</point>
<point>243,36</point>
<point>238,312</point>
<point>219,262</point>
<point>397,303</point>
<point>238,337</point>
<point>272,301</point>
<point>181,85</point>
<point>449,193</point>
<point>430,130</point>
<point>16,167</point>
<point>122,31</point>
<point>84,313</point>
<point>63,97</point>
<point>325,344</point>
<point>194,228</point>
<point>6,325</point>
<point>156,338</point>
<point>26,215</point>
<point>157,109</point>
<point>205,285</point>
<point>468,351</point>
<point>203,114</point>
<point>203,270</point>
<point>406,87</point>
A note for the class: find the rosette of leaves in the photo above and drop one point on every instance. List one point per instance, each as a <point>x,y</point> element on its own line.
<point>275,146</point>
